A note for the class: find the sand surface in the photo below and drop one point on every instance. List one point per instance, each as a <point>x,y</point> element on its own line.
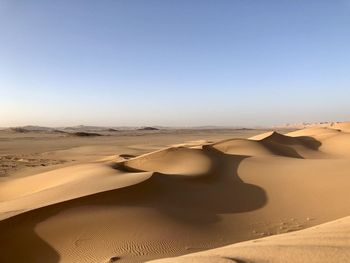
<point>145,195</point>
<point>329,242</point>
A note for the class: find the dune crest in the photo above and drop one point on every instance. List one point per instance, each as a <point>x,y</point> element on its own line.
<point>173,160</point>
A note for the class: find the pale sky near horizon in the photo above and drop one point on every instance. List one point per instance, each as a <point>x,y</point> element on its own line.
<point>174,63</point>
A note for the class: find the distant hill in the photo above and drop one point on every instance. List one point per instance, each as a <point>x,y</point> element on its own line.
<point>85,134</point>
<point>83,128</point>
<point>148,129</point>
<point>30,128</point>
<point>304,125</point>
<point>112,130</point>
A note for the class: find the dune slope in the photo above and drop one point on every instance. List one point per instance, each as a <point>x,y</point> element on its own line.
<point>328,242</point>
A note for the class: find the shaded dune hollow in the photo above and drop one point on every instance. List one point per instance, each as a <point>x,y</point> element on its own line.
<point>166,203</point>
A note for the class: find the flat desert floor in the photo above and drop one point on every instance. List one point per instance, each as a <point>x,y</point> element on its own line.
<point>209,195</point>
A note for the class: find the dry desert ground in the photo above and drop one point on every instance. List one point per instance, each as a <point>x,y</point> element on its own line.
<point>175,195</point>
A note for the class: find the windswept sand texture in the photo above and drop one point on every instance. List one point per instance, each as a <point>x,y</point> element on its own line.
<point>124,200</point>
<point>329,242</point>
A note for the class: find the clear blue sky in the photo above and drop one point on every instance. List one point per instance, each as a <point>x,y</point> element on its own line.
<point>166,62</point>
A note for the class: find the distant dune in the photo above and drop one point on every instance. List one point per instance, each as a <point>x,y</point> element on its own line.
<point>184,198</point>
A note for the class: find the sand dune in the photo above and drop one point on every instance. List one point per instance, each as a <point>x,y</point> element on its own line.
<point>328,242</point>
<point>343,126</point>
<point>174,160</point>
<point>28,193</point>
<point>333,141</point>
<point>182,199</point>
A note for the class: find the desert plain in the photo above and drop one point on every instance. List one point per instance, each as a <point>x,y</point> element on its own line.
<point>175,195</point>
